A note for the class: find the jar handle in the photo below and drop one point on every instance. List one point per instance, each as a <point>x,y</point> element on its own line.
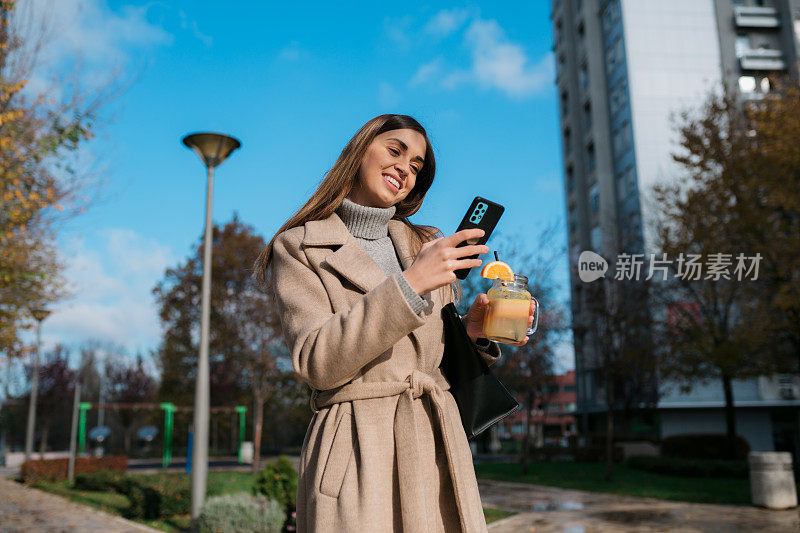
<point>535,322</point>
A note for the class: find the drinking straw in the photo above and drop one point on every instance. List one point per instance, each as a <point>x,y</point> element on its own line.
<point>495,256</point>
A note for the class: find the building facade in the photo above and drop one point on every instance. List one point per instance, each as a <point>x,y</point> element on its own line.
<point>624,70</point>
<point>552,422</point>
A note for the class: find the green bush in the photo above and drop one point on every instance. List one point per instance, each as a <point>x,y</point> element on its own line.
<point>710,446</point>
<point>674,466</point>
<point>100,481</point>
<point>278,481</point>
<point>241,513</point>
<point>156,497</point>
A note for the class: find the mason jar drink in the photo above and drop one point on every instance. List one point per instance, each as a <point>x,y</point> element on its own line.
<point>506,318</point>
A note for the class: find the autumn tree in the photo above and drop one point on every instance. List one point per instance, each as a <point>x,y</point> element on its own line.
<point>128,382</point>
<point>39,136</point>
<point>528,370</point>
<point>244,349</point>
<point>734,212</point>
<point>615,331</point>
<point>56,387</point>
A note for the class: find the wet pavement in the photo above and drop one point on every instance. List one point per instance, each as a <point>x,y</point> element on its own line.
<point>553,510</point>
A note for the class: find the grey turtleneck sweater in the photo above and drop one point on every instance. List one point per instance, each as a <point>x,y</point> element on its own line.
<point>370,227</point>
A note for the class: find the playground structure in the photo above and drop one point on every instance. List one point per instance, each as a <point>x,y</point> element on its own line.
<point>169,417</point>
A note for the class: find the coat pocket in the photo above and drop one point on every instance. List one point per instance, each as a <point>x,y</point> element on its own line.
<point>340,455</point>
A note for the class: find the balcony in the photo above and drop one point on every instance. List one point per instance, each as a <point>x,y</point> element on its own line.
<point>756,17</point>
<point>762,59</point>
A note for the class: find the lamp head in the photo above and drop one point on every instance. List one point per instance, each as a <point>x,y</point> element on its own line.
<point>40,313</point>
<point>213,148</point>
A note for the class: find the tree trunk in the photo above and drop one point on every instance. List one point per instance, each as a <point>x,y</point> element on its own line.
<point>43,443</point>
<point>215,433</point>
<point>609,427</point>
<point>127,436</point>
<point>730,415</point>
<point>257,423</point>
<point>526,440</point>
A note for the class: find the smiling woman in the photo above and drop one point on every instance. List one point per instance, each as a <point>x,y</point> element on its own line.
<point>360,291</point>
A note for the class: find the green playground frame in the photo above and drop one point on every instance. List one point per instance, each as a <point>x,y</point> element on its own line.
<point>169,419</point>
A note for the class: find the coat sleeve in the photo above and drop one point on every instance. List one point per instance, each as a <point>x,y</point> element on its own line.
<point>328,349</point>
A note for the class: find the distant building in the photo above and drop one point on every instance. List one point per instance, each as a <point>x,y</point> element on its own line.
<point>623,69</point>
<point>554,416</point>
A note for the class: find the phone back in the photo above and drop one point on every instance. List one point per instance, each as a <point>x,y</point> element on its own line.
<point>483,214</point>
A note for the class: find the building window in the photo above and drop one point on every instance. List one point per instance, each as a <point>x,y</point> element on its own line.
<point>583,76</point>
<point>559,32</point>
<point>614,55</point>
<point>590,158</point>
<point>610,16</point>
<point>567,140</point>
<point>564,104</point>
<point>618,97</point>
<point>621,140</point>
<point>594,198</point>
<point>747,84</point>
<point>587,116</point>
<point>597,238</point>
<point>570,179</point>
<point>742,44</point>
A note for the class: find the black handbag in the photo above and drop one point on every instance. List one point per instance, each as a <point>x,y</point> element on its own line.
<point>482,400</point>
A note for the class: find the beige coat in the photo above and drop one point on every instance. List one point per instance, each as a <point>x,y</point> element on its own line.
<point>385,450</point>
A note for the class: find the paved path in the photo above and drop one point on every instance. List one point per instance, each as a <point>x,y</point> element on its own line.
<point>23,509</point>
<point>553,510</point>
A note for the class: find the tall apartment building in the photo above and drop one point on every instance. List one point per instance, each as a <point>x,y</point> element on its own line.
<point>624,68</point>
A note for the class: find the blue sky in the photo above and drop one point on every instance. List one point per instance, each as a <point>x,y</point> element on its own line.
<point>293,82</point>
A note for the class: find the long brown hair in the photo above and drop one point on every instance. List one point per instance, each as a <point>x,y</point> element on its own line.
<point>340,180</point>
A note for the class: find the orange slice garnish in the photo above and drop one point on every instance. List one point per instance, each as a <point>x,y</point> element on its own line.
<point>497,269</point>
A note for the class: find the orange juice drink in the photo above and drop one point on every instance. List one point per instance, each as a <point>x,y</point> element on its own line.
<point>506,319</point>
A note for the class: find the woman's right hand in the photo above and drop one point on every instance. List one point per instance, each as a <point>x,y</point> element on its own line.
<point>437,260</point>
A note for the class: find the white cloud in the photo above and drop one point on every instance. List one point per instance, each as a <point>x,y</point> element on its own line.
<point>399,30</point>
<point>204,38</point>
<point>84,32</point>
<point>111,286</point>
<point>292,52</point>
<point>388,96</point>
<point>564,357</point>
<point>427,72</point>
<point>495,61</point>
<point>499,63</point>
<point>447,21</point>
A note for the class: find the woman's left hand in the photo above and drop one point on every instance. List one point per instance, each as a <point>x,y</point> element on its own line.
<point>476,313</point>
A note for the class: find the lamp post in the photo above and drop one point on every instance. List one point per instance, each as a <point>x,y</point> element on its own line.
<point>39,314</point>
<point>213,149</point>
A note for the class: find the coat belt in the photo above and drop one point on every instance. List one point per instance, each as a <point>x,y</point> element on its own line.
<point>416,511</point>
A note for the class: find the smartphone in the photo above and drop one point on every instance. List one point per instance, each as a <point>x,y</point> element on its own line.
<point>483,214</point>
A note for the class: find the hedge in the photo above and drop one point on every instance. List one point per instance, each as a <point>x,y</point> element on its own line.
<point>674,466</point>
<point>100,481</point>
<point>152,498</point>
<point>704,446</point>
<point>36,470</point>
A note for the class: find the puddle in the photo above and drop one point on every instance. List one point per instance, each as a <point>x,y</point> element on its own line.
<point>556,506</point>
<point>634,517</point>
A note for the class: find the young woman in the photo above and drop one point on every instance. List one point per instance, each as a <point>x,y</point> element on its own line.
<point>359,290</point>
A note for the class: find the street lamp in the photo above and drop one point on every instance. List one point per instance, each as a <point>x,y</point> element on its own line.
<point>213,149</point>
<point>39,314</point>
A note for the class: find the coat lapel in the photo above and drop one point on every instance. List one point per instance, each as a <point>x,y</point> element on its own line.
<point>351,260</point>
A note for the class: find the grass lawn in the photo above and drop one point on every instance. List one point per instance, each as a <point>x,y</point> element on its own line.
<point>218,483</point>
<point>589,477</point>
